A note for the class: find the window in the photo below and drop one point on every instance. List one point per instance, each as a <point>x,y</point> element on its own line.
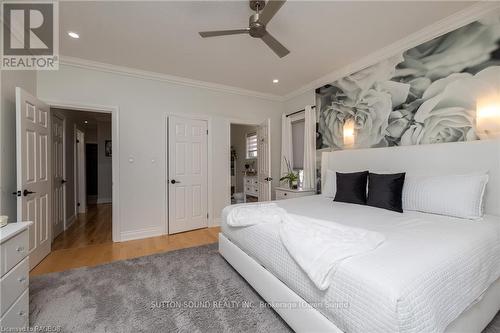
<point>251,145</point>
<point>298,144</point>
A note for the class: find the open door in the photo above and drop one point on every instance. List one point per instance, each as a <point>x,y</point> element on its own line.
<point>264,160</point>
<point>58,175</point>
<point>34,172</point>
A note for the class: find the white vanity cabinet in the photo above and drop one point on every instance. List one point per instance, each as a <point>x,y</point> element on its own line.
<point>251,186</point>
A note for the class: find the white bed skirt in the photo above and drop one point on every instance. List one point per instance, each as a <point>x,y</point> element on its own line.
<point>302,317</point>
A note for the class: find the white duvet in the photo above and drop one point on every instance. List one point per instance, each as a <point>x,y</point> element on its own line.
<point>427,272</point>
<point>317,246</point>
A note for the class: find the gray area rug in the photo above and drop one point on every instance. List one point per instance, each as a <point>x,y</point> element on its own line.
<point>190,290</point>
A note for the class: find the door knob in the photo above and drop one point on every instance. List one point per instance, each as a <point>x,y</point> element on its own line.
<point>173,181</point>
<point>268,179</point>
<point>63,181</point>
<point>17,193</point>
<point>26,192</point>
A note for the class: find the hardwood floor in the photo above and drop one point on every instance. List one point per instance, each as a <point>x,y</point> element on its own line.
<point>88,242</point>
<point>93,227</point>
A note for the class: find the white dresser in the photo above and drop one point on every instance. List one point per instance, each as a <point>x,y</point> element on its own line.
<point>288,193</point>
<point>251,186</point>
<point>14,281</point>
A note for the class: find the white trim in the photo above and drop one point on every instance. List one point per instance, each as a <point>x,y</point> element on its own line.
<point>216,222</point>
<point>114,110</point>
<point>210,204</point>
<point>147,75</point>
<point>450,23</point>
<point>141,233</point>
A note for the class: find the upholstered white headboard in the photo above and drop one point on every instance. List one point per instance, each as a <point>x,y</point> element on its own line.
<point>433,159</point>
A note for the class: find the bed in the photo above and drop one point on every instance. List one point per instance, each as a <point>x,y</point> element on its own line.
<point>433,274</point>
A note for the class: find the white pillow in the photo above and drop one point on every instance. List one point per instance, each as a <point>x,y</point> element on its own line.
<point>330,188</point>
<point>452,195</point>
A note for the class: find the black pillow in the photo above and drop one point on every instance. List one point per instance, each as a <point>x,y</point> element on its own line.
<point>386,191</point>
<point>351,187</point>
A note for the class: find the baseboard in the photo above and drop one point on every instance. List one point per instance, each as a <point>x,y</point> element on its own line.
<point>69,221</point>
<point>91,199</point>
<point>139,234</point>
<point>104,200</point>
<point>215,222</point>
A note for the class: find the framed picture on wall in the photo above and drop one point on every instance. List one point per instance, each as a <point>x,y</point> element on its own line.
<point>108,148</point>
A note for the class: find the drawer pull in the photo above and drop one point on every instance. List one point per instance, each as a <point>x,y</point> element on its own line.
<point>22,279</point>
<point>22,313</point>
<point>285,193</point>
<point>20,249</point>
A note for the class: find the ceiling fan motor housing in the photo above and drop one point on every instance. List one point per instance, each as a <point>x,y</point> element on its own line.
<point>257,4</point>
<point>257,29</point>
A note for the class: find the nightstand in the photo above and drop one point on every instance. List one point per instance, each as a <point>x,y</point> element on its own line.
<point>288,193</point>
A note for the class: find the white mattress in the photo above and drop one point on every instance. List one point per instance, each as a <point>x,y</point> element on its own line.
<point>428,271</point>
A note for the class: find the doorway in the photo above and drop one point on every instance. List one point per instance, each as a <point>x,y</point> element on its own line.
<point>249,153</point>
<point>87,181</point>
<point>243,163</point>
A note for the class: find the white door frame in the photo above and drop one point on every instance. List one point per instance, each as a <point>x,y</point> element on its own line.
<point>210,207</point>
<point>65,175</point>
<point>80,199</point>
<point>230,122</point>
<point>114,111</point>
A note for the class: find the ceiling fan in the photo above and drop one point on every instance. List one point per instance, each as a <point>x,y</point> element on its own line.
<point>264,12</point>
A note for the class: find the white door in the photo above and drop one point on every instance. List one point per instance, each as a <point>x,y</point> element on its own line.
<point>33,172</point>
<point>81,190</point>
<point>264,160</point>
<point>187,174</point>
<point>58,174</point>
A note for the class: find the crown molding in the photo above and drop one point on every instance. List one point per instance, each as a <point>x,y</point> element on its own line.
<point>450,23</point>
<point>155,76</point>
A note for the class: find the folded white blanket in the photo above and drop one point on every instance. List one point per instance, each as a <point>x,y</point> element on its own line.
<point>319,246</point>
<point>245,215</point>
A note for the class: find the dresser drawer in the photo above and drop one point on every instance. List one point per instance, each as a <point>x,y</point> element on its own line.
<point>280,194</point>
<point>13,284</point>
<point>17,315</point>
<point>13,251</point>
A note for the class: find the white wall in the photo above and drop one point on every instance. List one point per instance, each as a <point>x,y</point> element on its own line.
<point>238,141</point>
<point>8,182</point>
<point>143,105</point>
<point>104,165</point>
<point>299,102</point>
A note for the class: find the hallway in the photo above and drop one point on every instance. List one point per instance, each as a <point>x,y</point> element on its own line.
<point>91,228</point>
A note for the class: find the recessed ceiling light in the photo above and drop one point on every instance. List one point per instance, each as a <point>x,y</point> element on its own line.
<point>86,122</point>
<point>73,34</point>
<point>276,81</point>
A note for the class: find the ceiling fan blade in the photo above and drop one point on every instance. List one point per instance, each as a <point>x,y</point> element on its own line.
<point>216,33</point>
<point>276,46</point>
<point>271,8</point>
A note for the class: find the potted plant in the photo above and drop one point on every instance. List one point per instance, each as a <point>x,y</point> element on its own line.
<point>291,176</point>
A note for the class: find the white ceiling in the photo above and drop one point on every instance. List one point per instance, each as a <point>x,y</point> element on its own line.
<point>162,37</point>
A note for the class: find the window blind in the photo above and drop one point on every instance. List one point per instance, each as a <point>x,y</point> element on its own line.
<point>251,145</point>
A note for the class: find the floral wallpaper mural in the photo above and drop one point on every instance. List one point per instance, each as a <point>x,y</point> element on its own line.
<point>427,94</point>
